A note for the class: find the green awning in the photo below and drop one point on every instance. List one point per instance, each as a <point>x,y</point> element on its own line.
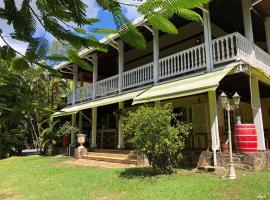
<point>185,87</point>
<point>262,75</point>
<point>97,103</point>
<point>62,113</point>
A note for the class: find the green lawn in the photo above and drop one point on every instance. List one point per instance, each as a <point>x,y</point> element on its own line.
<point>35,177</point>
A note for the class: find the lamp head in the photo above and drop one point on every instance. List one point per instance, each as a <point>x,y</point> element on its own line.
<point>224,99</point>
<point>236,99</point>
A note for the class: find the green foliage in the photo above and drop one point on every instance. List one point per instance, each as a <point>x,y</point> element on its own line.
<point>48,136</point>
<point>156,132</point>
<point>67,129</point>
<point>27,97</point>
<point>55,17</point>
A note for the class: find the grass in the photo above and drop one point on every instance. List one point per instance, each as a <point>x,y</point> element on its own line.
<point>35,177</point>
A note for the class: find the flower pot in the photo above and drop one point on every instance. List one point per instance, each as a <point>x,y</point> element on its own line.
<point>225,148</point>
<point>81,139</point>
<point>65,140</point>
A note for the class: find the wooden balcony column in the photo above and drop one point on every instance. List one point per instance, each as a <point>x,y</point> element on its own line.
<point>156,54</point>
<point>208,39</point>
<point>267,31</point>
<point>120,65</point>
<point>121,143</point>
<point>95,73</point>
<point>246,7</point>
<point>94,128</point>
<point>73,136</point>
<point>155,33</point>
<point>75,83</point>
<point>257,111</point>
<point>212,100</point>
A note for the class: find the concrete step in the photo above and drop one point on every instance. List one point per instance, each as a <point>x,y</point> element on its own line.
<point>109,158</point>
<point>114,155</point>
<point>114,151</point>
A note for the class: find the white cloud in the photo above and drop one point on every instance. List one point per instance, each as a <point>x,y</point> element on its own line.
<point>7,29</point>
<point>92,11</point>
<point>130,12</point>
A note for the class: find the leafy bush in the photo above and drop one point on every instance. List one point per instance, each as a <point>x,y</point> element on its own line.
<point>67,129</point>
<point>158,134</point>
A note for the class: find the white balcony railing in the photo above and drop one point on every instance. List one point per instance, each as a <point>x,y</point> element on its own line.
<point>107,86</point>
<point>84,93</point>
<point>69,98</point>
<point>232,47</point>
<point>182,62</point>
<point>138,76</point>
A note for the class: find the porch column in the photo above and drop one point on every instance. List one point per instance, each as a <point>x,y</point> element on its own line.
<point>257,111</point>
<point>95,73</point>
<point>246,6</point>
<point>73,136</point>
<point>156,54</point>
<point>120,65</point>
<point>80,121</point>
<point>267,31</point>
<point>214,123</point>
<point>75,83</point>
<point>94,128</point>
<point>208,39</point>
<point>121,142</point>
<point>157,104</point>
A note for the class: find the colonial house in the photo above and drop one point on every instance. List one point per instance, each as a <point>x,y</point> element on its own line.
<point>228,53</point>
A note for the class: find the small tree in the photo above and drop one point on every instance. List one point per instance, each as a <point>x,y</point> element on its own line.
<point>67,129</point>
<point>158,134</point>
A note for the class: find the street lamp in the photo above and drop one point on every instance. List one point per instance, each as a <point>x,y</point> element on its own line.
<point>226,105</point>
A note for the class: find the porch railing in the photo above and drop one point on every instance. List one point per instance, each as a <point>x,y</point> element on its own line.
<point>138,76</point>
<point>182,62</point>
<point>232,47</point>
<point>107,86</point>
<point>84,93</point>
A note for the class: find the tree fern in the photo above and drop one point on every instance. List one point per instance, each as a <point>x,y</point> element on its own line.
<point>54,15</point>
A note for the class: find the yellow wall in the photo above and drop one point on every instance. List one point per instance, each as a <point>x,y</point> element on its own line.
<point>266,113</point>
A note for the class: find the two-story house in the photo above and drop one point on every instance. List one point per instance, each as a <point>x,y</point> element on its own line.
<point>228,53</point>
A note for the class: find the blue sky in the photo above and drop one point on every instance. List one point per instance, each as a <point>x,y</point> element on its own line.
<point>93,10</point>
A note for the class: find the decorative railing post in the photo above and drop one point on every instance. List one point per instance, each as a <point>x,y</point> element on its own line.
<point>75,82</point>
<point>246,6</point>
<point>267,32</point>
<point>95,74</point>
<point>156,54</point>
<point>208,39</point>
<point>120,64</point>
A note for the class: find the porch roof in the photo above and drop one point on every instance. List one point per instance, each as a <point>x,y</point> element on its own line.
<point>185,87</point>
<point>97,103</point>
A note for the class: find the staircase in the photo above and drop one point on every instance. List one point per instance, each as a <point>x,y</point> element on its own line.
<point>115,156</point>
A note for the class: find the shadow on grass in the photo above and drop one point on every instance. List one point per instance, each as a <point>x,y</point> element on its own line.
<point>139,172</point>
<point>148,172</point>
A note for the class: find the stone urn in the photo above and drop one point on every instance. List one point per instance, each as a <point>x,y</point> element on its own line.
<point>81,139</point>
<point>81,150</point>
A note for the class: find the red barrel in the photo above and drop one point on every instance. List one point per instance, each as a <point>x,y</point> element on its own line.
<point>245,138</point>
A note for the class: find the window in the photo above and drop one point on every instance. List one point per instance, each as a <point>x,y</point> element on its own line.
<point>184,114</point>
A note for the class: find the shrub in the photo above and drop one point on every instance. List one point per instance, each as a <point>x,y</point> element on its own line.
<point>156,132</point>
<point>67,129</point>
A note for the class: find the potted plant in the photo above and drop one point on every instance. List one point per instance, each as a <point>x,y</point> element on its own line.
<point>65,131</point>
<point>225,145</point>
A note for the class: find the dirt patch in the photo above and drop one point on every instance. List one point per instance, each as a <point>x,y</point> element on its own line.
<point>94,163</point>
<point>11,196</point>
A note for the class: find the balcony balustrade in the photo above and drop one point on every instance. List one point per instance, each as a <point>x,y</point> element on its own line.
<point>229,48</point>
